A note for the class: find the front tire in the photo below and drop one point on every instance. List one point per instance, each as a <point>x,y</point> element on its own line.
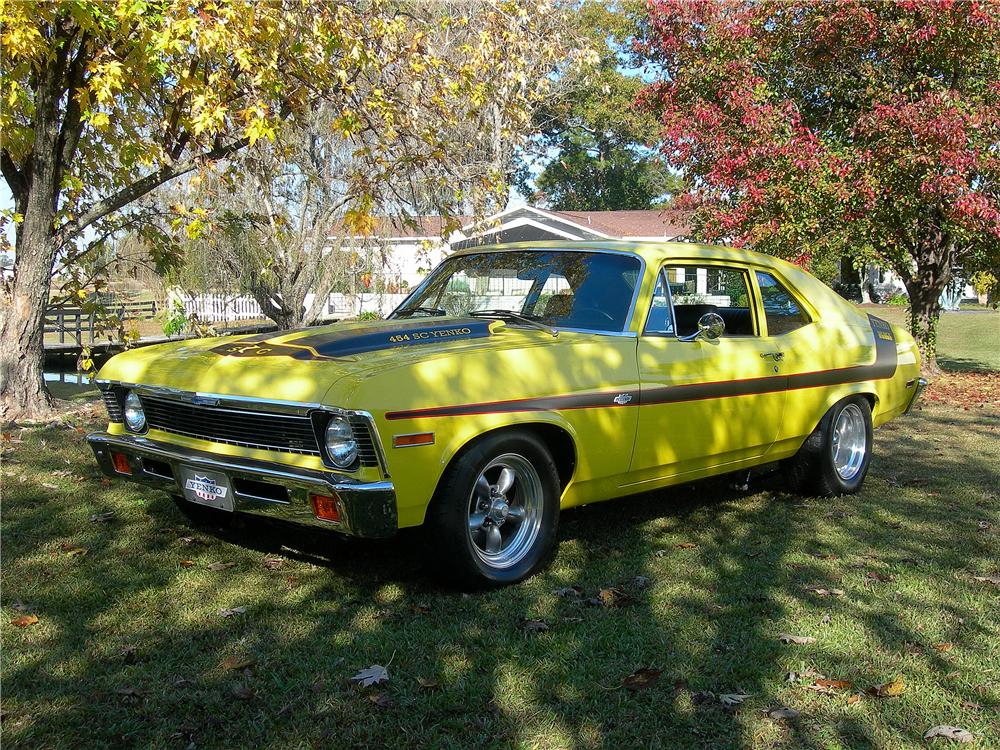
<point>834,459</point>
<point>494,517</point>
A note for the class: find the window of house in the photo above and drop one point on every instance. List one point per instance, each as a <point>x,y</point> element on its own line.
<point>782,312</point>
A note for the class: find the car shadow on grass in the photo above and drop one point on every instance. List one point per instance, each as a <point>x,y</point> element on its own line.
<point>695,581</point>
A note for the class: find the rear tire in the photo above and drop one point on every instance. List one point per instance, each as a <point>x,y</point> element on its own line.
<point>202,515</point>
<point>834,459</point>
<point>494,517</point>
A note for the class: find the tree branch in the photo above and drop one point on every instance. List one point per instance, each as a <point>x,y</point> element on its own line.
<point>15,180</point>
<point>140,187</point>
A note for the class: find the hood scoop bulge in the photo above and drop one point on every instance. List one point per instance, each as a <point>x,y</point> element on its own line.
<point>329,343</point>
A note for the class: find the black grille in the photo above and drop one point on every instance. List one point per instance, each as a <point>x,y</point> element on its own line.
<point>278,432</point>
<point>367,454</point>
<point>112,404</point>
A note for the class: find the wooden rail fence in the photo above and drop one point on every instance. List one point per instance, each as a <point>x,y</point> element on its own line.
<point>63,320</point>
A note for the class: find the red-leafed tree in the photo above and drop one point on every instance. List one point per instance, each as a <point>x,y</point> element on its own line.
<point>817,130</point>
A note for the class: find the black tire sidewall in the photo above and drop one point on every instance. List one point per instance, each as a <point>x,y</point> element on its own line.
<point>448,517</point>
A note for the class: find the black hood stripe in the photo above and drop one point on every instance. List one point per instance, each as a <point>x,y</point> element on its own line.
<point>882,368</point>
<point>333,344</point>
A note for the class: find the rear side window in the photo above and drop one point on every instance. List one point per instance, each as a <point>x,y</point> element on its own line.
<point>685,293</point>
<point>782,312</point>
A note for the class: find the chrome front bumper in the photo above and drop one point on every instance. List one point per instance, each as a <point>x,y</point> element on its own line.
<point>367,509</point>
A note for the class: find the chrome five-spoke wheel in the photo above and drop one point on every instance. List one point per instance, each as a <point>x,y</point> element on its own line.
<point>505,510</point>
<point>495,515</point>
<point>849,442</point>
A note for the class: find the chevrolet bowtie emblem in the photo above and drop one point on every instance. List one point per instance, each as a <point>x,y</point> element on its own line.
<point>623,398</point>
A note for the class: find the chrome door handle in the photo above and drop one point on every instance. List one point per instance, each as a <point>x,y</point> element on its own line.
<point>776,356</point>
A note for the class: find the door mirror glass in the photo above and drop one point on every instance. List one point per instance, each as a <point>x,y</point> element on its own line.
<point>710,326</point>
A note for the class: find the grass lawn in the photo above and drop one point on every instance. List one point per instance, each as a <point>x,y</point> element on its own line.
<point>130,648</point>
<point>967,339</point>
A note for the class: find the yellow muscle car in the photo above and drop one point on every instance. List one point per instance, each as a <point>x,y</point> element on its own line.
<point>516,381</point>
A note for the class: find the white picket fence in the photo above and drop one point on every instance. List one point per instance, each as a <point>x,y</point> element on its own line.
<point>218,308</point>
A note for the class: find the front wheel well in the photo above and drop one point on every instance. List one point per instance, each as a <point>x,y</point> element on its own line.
<point>556,439</point>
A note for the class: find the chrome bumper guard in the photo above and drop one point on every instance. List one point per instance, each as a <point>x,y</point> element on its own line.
<point>917,390</point>
<point>367,509</point>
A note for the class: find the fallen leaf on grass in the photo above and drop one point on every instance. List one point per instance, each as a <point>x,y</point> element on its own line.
<point>821,591</point>
<point>421,609</point>
<point>217,566</point>
<point>50,486</point>
<point>373,675</point>
<point>569,592</point>
<point>951,733</point>
<point>888,689</point>
<point>874,575</point>
<point>852,699</point>
<point>186,563</point>
<point>829,686</point>
<point>129,692</point>
<point>273,563</point>
<point>533,626</point>
<point>702,696</point>
<point>427,684</point>
<point>244,692</point>
<point>382,700</point>
<point>24,621</point>
<point>642,678</point>
<point>292,581</point>
<point>72,550</point>
<point>942,647</point>
<point>783,713</point>
<point>190,541</point>
<point>611,598</point>
<point>232,612</point>
<point>640,582</point>
<point>234,663</point>
<point>731,700</point>
<point>103,517</point>
<point>686,545</point>
<point>798,640</point>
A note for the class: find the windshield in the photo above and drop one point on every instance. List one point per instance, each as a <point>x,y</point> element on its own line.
<point>563,289</point>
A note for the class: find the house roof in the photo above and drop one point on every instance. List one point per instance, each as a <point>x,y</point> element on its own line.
<point>663,223</point>
<point>666,223</point>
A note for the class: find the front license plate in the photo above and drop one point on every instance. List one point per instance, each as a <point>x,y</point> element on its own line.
<point>207,488</point>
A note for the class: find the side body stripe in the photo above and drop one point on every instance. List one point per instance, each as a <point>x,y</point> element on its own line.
<point>882,368</point>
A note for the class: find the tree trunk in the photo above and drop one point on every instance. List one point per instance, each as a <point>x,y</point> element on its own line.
<point>22,386</point>
<point>924,289</point>
<point>23,394</point>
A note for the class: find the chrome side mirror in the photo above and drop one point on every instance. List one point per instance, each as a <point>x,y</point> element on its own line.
<point>710,327</point>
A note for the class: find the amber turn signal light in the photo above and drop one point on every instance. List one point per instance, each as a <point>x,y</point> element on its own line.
<point>325,507</point>
<point>418,438</point>
<point>121,464</point>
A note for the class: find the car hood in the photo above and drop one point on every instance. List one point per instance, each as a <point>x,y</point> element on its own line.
<point>303,365</point>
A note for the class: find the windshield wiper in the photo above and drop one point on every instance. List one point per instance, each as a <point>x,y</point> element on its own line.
<point>435,312</point>
<point>517,317</point>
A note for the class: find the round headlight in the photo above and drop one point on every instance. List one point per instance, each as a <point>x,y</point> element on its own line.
<point>135,417</point>
<point>341,446</point>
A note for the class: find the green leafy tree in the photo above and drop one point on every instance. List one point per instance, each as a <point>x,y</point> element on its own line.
<point>106,101</point>
<point>593,140</point>
<point>818,130</point>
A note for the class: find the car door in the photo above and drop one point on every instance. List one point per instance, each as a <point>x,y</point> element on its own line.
<point>704,403</point>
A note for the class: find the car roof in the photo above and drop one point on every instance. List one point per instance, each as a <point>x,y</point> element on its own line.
<point>654,253</point>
